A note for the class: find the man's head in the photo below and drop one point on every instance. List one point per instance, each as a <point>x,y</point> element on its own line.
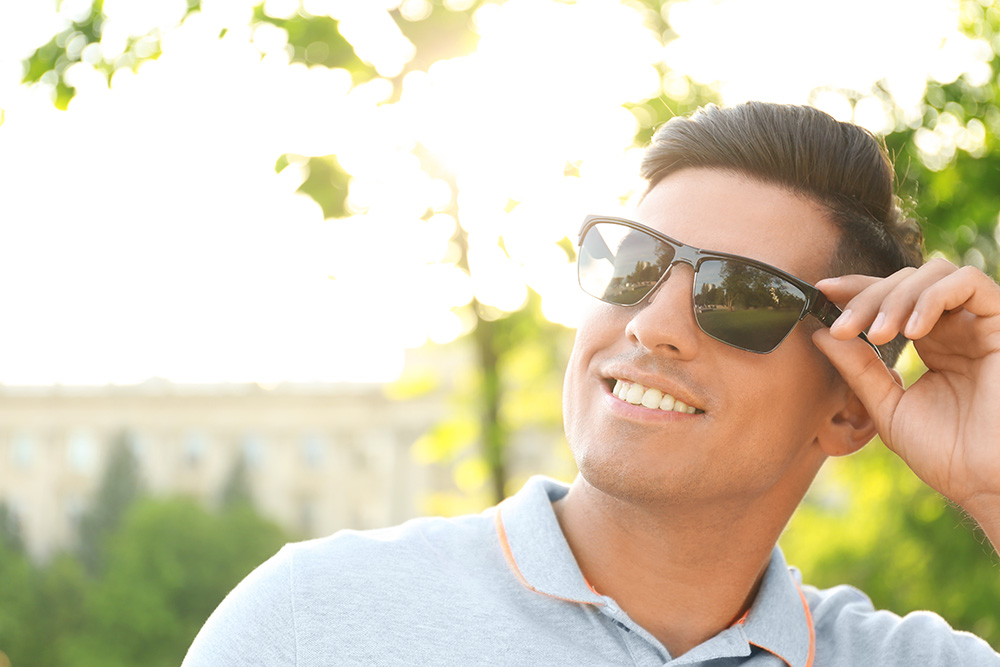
<point>840,166</point>
<point>753,182</point>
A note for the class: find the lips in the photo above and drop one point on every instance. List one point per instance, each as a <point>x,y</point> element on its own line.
<point>651,397</point>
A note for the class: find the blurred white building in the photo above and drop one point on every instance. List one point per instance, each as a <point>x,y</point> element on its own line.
<point>319,458</point>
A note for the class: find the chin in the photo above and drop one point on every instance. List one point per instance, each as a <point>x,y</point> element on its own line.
<point>630,481</point>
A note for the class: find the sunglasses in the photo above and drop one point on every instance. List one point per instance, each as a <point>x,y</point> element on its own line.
<point>738,301</point>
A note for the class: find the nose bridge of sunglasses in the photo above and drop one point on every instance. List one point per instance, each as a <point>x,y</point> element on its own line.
<point>688,266</point>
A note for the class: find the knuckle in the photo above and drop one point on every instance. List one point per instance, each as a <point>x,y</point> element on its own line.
<point>904,272</point>
<point>969,272</point>
<point>941,263</point>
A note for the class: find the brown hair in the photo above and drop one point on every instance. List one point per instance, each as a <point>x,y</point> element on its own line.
<point>841,166</point>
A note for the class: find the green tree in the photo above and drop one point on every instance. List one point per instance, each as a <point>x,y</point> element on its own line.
<point>19,604</point>
<point>169,565</point>
<point>10,529</point>
<point>120,486</point>
<point>954,188</point>
<point>236,491</point>
<point>62,587</point>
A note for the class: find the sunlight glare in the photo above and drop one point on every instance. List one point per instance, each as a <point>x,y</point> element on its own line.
<point>153,237</point>
<point>776,59</point>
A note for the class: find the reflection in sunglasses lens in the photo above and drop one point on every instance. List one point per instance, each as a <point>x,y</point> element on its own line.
<point>745,306</point>
<point>621,265</point>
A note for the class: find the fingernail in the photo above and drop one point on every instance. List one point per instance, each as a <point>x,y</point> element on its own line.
<point>878,324</point>
<point>911,324</point>
<point>842,320</point>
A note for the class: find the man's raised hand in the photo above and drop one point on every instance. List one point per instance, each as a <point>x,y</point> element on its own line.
<point>946,426</point>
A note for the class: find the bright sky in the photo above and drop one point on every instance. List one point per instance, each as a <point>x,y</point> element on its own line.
<point>144,232</point>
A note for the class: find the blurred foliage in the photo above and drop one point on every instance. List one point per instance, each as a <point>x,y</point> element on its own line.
<point>443,33</point>
<point>521,354</point>
<point>10,529</point>
<point>119,487</point>
<point>81,41</point>
<point>169,563</point>
<point>955,190</point>
<point>326,185</point>
<point>236,491</point>
<point>316,40</point>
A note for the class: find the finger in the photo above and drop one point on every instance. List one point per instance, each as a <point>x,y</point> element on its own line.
<point>967,288</point>
<point>842,289</point>
<point>861,297</point>
<point>874,384</point>
<point>898,305</point>
<point>885,306</point>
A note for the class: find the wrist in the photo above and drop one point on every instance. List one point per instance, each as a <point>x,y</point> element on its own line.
<point>985,511</point>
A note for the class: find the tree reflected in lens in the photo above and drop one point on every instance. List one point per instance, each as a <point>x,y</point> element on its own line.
<point>745,306</point>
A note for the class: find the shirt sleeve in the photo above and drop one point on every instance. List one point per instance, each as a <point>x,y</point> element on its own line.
<point>254,624</point>
<point>850,632</point>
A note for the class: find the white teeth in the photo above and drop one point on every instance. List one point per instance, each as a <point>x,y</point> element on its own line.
<point>652,398</point>
<point>636,394</point>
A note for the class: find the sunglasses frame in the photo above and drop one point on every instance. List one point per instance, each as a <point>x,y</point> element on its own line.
<point>817,304</point>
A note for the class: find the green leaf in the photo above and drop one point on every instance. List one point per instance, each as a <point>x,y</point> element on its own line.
<point>327,185</point>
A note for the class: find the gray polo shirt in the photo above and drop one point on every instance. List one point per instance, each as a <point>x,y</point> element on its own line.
<point>503,588</point>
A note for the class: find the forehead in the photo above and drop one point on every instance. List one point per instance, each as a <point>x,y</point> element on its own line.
<point>728,212</point>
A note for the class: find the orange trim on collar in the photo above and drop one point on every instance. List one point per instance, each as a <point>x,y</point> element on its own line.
<point>812,632</point>
<point>512,564</point>
<point>812,626</point>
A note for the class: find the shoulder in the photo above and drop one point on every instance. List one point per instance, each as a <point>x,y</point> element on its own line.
<point>848,626</point>
<point>420,546</point>
<point>253,625</point>
<point>320,596</point>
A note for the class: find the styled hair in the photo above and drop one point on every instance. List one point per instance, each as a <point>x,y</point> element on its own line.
<point>842,167</point>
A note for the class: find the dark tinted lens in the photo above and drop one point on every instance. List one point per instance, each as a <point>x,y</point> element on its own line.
<point>745,306</point>
<point>621,265</point>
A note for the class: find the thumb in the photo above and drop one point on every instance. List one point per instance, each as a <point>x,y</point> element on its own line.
<point>878,387</point>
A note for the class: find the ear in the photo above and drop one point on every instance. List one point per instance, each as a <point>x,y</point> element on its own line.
<point>849,428</point>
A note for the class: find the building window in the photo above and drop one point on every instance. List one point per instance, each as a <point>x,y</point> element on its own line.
<point>195,446</point>
<point>81,452</point>
<point>139,444</point>
<point>22,451</point>
<point>254,450</point>
<point>314,449</point>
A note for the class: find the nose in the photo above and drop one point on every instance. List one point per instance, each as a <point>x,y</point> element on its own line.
<point>664,323</point>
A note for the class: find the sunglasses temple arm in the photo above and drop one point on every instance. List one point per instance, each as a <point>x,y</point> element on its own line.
<point>827,312</point>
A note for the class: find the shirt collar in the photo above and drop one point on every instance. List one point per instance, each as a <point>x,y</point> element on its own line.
<point>537,553</point>
<point>780,621</point>
<point>534,545</point>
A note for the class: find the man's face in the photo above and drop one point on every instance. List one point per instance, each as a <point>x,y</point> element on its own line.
<point>756,436</point>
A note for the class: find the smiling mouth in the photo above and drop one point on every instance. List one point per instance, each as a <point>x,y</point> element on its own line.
<point>650,397</point>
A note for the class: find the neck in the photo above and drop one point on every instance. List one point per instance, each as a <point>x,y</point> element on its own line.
<point>683,573</point>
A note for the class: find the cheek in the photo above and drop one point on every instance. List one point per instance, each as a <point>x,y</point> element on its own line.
<point>592,340</point>
<point>572,389</point>
<point>772,399</point>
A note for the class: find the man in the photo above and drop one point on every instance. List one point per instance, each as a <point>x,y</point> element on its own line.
<point>705,390</point>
